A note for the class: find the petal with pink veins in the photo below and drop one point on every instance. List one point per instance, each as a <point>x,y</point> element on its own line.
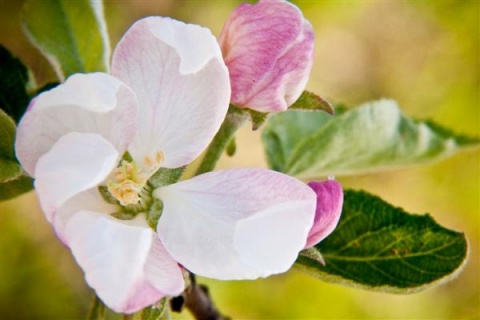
<point>182,85</point>
<point>88,103</point>
<point>236,224</point>
<point>75,163</point>
<point>124,261</point>
<point>329,208</point>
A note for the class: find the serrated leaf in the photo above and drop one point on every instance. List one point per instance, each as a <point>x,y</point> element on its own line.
<point>309,101</point>
<point>71,34</point>
<point>9,167</point>
<point>15,83</point>
<point>375,136</point>
<point>380,247</point>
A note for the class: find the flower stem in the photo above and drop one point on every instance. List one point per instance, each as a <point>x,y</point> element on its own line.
<point>233,121</point>
<point>97,309</point>
<point>197,300</point>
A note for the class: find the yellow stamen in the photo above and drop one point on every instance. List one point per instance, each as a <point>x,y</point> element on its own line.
<point>154,162</point>
<point>127,184</point>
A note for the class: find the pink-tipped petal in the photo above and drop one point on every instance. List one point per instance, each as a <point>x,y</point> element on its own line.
<point>329,208</point>
<point>268,48</point>
<point>182,84</point>
<point>236,224</point>
<point>124,261</point>
<point>75,163</point>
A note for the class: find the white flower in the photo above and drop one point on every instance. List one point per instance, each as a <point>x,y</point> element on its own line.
<point>93,142</point>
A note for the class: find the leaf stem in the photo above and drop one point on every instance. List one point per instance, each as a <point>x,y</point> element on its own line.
<point>233,121</point>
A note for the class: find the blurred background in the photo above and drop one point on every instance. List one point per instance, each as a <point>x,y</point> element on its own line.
<point>424,54</point>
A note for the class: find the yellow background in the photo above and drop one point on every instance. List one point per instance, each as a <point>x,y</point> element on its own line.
<point>424,54</point>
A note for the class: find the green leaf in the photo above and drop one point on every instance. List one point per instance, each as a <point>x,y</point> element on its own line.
<point>71,34</point>
<point>379,247</point>
<point>9,167</point>
<point>15,83</point>
<point>285,131</point>
<point>312,102</point>
<point>16,187</point>
<point>13,181</point>
<point>375,136</point>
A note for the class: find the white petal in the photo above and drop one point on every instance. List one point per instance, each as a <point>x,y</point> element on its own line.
<point>88,103</point>
<point>236,224</point>
<point>75,163</point>
<point>182,85</point>
<point>90,200</point>
<point>123,261</point>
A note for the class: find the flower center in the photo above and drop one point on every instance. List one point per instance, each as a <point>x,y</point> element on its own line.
<point>127,184</point>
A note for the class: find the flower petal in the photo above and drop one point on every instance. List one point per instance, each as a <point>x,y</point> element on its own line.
<point>236,224</point>
<point>329,207</point>
<point>89,103</point>
<point>268,48</point>
<point>124,261</point>
<point>75,163</point>
<point>182,84</point>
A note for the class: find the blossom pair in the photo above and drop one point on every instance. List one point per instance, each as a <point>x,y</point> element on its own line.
<point>94,143</point>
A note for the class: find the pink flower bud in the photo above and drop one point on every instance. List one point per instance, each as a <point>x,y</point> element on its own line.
<point>268,49</point>
<point>329,207</point>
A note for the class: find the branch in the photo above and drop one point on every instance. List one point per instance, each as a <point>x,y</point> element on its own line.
<point>197,300</point>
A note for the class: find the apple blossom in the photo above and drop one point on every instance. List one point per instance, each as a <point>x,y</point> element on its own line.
<point>94,143</point>
<point>268,48</point>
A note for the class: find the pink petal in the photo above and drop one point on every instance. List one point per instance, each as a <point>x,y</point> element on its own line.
<point>329,207</point>
<point>236,224</point>
<point>88,103</point>
<point>123,261</point>
<point>75,163</point>
<point>181,81</point>
<point>268,48</point>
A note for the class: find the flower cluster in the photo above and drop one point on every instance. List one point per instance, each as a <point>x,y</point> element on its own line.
<point>94,144</point>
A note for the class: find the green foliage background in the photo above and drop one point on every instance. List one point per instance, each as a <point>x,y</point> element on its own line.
<point>424,54</point>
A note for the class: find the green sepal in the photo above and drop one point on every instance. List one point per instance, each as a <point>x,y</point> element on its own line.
<point>154,213</point>
<point>124,215</point>
<point>164,176</point>
<point>258,118</point>
<point>107,196</point>
<point>159,311</point>
<point>380,247</point>
<point>309,101</point>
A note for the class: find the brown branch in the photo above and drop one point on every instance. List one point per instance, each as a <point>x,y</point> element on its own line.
<point>197,300</point>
